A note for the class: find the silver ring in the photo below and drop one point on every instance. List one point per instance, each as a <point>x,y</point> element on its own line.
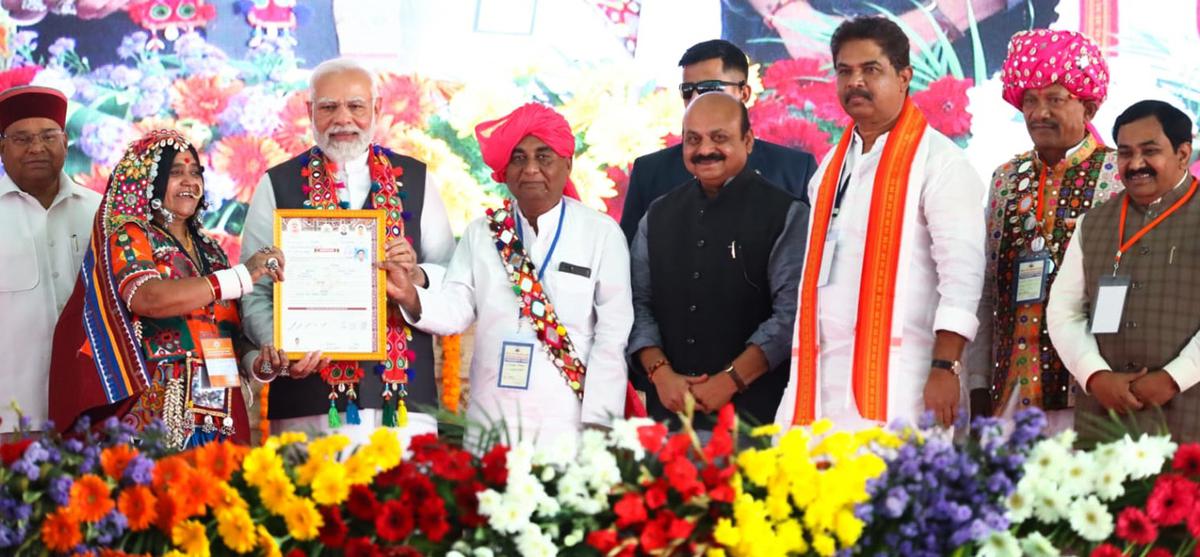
<point>273,264</point>
<point>266,367</point>
<point>266,249</point>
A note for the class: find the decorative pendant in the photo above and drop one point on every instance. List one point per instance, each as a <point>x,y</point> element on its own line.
<point>1038,244</point>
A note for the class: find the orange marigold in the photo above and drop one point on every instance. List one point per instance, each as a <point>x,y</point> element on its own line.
<point>137,503</point>
<point>203,98</point>
<point>168,472</point>
<point>166,513</point>
<point>245,159</point>
<point>60,531</point>
<point>193,491</point>
<point>219,459</point>
<point>90,499</point>
<point>404,98</point>
<point>95,180</point>
<point>113,460</point>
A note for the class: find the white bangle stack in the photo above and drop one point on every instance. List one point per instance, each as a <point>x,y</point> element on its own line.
<point>234,282</point>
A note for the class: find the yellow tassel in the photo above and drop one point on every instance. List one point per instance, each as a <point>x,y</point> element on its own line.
<point>403,421</point>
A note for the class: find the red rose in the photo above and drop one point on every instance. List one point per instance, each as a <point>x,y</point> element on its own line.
<point>602,540</point>
<point>944,104</point>
<point>1106,550</point>
<point>360,547</point>
<point>495,466</point>
<point>1187,459</point>
<point>656,494</point>
<point>333,530</point>
<point>362,503</point>
<point>395,521</point>
<point>1134,526</point>
<point>432,518</point>
<point>655,535</point>
<point>651,436</point>
<point>630,510</point>
<point>1171,500</point>
<point>11,452</point>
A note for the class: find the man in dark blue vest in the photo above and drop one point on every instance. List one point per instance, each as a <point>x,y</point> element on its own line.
<point>715,267</point>
<point>344,106</point>
<point>711,66</point>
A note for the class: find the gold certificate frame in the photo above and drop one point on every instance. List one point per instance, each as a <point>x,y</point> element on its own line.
<point>333,296</point>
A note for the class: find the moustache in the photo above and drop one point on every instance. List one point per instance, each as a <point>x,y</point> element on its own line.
<point>1146,172</point>
<point>343,129</point>
<point>714,157</point>
<point>1044,124</point>
<point>861,93</point>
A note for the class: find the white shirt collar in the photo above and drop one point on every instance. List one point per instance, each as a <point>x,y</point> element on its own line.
<point>1069,152</point>
<point>66,187</point>
<point>547,220</point>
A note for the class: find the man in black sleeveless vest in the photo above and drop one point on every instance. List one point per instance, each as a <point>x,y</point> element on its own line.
<point>715,266</point>
<point>344,106</point>
<point>1124,312</point>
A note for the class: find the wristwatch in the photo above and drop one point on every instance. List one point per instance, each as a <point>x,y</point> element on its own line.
<point>954,367</point>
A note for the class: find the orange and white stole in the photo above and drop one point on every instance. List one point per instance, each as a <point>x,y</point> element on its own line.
<point>877,290</point>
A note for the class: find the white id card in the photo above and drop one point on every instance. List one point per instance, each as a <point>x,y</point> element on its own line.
<point>1110,304</point>
<point>831,239</point>
<point>1031,277</point>
<point>516,363</point>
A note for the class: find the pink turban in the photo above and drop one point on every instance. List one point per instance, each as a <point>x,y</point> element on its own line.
<point>1042,57</point>
<point>497,138</point>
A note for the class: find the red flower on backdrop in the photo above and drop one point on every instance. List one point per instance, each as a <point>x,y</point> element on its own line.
<point>10,452</point>
<point>231,244</point>
<point>672,139</point>
<point>203,98</point>
<point>630,510</point>
<point>362,503</point>
<point>96,179</point>
<point>1187,457</point>
<point>431,517</point>
<point>294,134</point>
<point>773,121</point>
<point>1134,526</point>
<point>1106,550</point>
<point>1172,500</point>
<point>615,205</point>
<point>394,522</point>
<point>785,75</point>
<point>360,547</point>
<point>495,466</point>
<point>333,530</point>
<point>602,540</point>
<point>944,104</point>
<point>403,98</point>
<point>18,76</point>
<point>245,159</point>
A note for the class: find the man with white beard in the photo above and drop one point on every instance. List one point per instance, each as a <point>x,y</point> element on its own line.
<point>310,394</point>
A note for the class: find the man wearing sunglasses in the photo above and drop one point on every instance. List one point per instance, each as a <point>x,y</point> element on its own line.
<point>714,65</point>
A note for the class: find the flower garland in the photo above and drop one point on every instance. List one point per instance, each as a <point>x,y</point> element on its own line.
<point>451,371</point>
<point>264,424</point>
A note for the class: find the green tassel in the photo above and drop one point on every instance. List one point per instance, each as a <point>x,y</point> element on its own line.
<point>389,414</point>
<point>335,421</point>
<point>403,421</point>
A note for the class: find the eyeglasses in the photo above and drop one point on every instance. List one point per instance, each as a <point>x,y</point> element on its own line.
<point>26,140</point>
<point>358,108</point>
<point>544,160</point>
<point>687,89</point>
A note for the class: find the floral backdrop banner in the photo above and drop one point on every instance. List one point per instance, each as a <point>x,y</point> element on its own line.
<point>233,76</point>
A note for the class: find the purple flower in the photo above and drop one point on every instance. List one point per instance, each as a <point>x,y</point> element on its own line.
<point>111,527</point>
<point>61,47</point>
<point>60,489</point>
<point>8,536</point>
<point>25,39</point>
<point>132,45</point>
<point>139,470</point>
<point>105,139</point>
<point>73,446</point>
<point>253,111</point>
<point>125,77</point>
<point>896,502</point>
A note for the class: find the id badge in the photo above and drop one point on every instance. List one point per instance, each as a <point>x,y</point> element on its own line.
<point>827,257</point>
<point>516,363</point>
<point>1032,271</point>
<point>220,363</point>
<point>1110,304</point>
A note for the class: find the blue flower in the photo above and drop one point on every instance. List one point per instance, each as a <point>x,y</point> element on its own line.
<point>132,45</point>
<point>60,489</point>
<point>61,47</point>
<point>139,470</point>
<point>111,527</point>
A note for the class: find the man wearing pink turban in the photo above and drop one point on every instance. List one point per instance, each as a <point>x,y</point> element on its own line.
<point>1057,79</point>
<point>545,279</point>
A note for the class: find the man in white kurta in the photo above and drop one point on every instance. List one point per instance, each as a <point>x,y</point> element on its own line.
<point>45,227</point>
<point>583,267</point>
<point>939,251</point>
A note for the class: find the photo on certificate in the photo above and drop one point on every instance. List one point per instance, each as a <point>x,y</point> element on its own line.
<point>333,297</point>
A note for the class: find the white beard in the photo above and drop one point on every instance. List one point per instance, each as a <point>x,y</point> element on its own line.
<point>342,151</point>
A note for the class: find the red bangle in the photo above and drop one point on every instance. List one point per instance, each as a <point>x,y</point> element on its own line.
<point>214,285</point>
<point>654,367</point>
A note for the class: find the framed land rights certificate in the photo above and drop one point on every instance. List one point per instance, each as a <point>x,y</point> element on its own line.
<point>333,297</point>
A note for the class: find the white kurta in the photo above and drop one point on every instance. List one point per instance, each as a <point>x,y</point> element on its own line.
<point>939,280</point>
<point>41,251</point>
<point>596,310</point>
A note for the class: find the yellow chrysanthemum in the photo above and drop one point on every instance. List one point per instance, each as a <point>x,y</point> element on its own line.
<point>261,463</point>
<point>267,543</point>
<point>327,447</point>
<point>385,447</point>
<point>276,493</point>
<point>236,530</point>
<point>191,538</point>
<point>329,486</point>
<point>360,469</point>
<point>302,519</point>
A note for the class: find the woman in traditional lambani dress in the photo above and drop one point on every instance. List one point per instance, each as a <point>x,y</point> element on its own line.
<point>157,299</point>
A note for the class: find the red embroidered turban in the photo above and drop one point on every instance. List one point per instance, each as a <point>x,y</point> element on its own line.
<point>497,138</point>
<point>30,101</point>
<point>1042,57</point>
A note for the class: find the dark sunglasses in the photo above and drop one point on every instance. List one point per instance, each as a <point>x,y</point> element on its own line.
<point>708,86</point>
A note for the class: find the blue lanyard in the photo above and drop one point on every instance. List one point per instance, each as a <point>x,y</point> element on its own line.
<point>541,269</point>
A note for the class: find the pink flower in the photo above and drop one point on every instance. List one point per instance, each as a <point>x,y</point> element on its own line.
<point>945,105</point>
